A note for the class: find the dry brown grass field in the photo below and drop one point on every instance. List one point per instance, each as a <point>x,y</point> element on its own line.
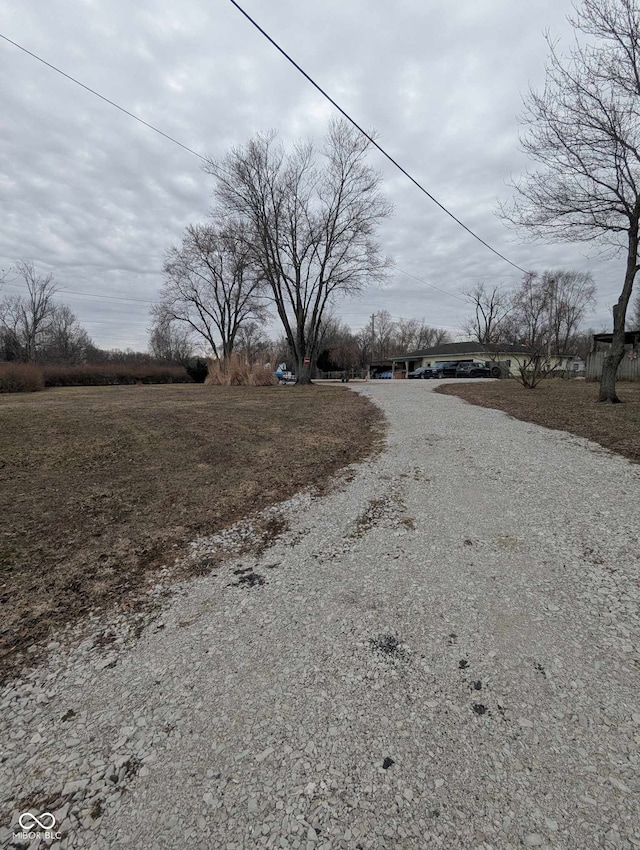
<point>100,486</point>
<point>566,405</point>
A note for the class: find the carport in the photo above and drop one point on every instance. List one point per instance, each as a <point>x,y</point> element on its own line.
<point>379,367</point>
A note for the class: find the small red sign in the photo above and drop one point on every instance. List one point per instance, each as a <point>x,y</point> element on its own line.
<point>306,361</point>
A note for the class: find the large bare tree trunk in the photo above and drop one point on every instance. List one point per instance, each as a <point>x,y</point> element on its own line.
<point>609,370</point>
<point>302,353</point>
<point>303,373</point>
<point>615,355</point>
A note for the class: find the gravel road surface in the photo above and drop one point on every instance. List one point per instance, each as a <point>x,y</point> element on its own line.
<point>441,652</point>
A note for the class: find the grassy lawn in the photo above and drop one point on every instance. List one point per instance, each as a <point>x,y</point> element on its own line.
<point>99,486</point>
<point>570,405</point>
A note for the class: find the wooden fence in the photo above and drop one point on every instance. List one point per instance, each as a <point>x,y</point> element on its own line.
<point>628,370</point>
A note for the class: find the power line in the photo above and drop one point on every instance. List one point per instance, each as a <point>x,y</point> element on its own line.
<point>88,294</point>
<point>435,325</point>
<point>319,88</point>
<point>110,297</point>
<point>102,97</point>
<point>373,141</point>
<point>432,285</point>
<point>82,294</point>
<point>116,319</point>
<point>367,323</point>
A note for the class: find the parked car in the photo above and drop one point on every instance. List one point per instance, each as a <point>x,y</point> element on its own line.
<point>473,370</point>
<point>445,369</point>
<point>385,375</point>
<point>421,372</point>
<point>284,375</point>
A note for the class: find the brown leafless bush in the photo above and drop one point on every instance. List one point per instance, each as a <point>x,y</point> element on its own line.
<point>20,378</point>
<point>107,374</point>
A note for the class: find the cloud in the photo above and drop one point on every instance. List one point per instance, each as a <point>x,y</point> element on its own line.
<point>97,198</point>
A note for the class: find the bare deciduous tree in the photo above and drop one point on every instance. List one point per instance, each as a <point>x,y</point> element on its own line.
<point>25,318</point>
<point>332,332</point>
<point>169,341</point>
<point>544,315</point>
<point>544,312</point>
<point>529,325</point>
<point>383,334</point>
<point>571,295</point>
<point>491,306</point>
<point>584,132</point>
<point>415,335</point>
<point>252,344</point>
<point>346,355</point>
<point>212,284</point>
<point>582,344</point>
<point>407,335</point>
<point>429,337</point>
<point>313,225</point>
<point>64,340</point>
<point>10,348</point>
<point>364,340</point>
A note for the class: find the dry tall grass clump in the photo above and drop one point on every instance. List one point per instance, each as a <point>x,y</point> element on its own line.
<point>262,377</point>
<point>238,373</point>
<point>232,373</point>
<point>20,378</point>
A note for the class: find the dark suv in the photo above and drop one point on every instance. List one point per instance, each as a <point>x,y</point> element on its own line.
<point>421,372</point>
<point>445,369</point>
<point>473,370</point>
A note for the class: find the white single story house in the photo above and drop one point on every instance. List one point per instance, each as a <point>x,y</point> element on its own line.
<point>507,358</point>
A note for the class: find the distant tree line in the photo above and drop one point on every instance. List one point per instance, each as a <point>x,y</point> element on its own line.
<point>382,338</point>
<point>544,312</point>
<point>36,329</point>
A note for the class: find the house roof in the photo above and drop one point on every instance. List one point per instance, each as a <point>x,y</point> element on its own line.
<point>630,337</point>
<point>455,348</point>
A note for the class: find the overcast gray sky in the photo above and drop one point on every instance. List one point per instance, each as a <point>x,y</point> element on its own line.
<point>96,198</point>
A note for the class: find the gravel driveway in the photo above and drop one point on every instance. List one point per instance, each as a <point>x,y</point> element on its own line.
<point>442,652</point>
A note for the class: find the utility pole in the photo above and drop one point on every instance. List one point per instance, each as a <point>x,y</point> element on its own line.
<point>373,335</point>
<point>552,298</point>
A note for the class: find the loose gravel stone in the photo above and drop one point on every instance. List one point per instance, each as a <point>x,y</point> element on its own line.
<point>335,703</point>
